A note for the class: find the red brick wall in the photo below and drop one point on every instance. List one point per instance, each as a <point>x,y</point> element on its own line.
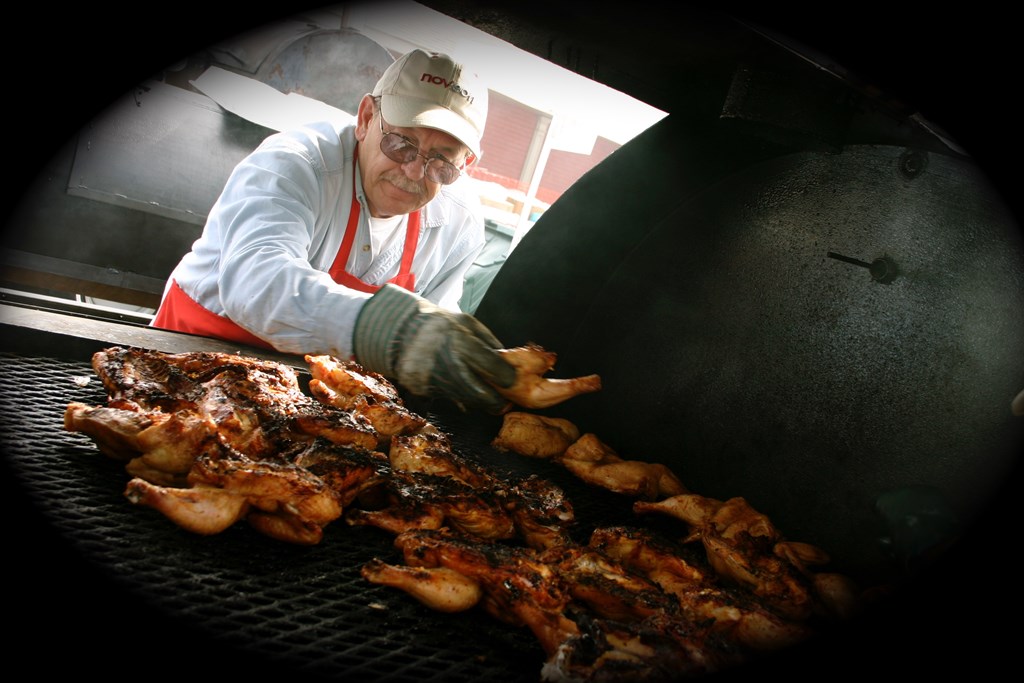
<point>565,168</point>
<point>506,140</point>
<point>507,136</point>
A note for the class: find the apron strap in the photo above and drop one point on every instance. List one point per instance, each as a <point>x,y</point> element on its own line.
<point>405,278</point>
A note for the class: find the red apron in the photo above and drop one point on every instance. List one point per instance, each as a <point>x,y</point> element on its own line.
<point>178,311</point>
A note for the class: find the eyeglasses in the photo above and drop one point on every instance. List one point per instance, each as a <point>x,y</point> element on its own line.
<point>399,148</point>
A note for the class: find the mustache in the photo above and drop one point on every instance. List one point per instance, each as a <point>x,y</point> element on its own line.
<point>403,182</point>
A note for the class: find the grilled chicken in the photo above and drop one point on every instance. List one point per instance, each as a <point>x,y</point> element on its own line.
<point>541,513</point>
<point>290,498</point>
<point>439,588</point>
<point>535,436</point>
<point>431,453</point>
<point>115,431</point>
<point>531,389</point>
<point>337,426</point>
<point>518,589</point>
<point>658,649</point>
<point>256,406</point>
<point>349,386</point>
<point>169,381</point>
<point>349,471</point>
<point>728,612</point>
<point>653,555</point>
<point>215,439</point>
<point>211,438</point>
<point>388,419</point>
<point>596,463</point>
<point>202,510</point>
<point>260,424</point>
<point>349,380</point>
<point>430,501</point>
<point>740,544</point>
<point>605,586</point>
<point>586,456</point>
<point>159,447</point>
<point>287,502</point>
<point>537,591</point>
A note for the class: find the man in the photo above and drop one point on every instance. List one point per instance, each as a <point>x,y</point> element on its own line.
<point>353,240</point>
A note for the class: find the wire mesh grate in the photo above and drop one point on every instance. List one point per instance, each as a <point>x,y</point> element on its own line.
<point>306,608</point>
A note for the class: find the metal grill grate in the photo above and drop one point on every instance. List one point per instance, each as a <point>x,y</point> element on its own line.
<point>306,608</point>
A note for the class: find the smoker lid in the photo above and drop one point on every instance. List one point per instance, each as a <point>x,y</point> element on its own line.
<point>740,342</point>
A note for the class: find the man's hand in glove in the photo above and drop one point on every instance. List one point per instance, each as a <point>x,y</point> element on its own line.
<point>431,351</point>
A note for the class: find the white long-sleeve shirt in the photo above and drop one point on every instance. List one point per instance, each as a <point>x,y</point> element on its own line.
<point>275,230</point>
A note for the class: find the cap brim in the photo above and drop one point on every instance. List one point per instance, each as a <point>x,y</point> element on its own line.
<point>406,112</point>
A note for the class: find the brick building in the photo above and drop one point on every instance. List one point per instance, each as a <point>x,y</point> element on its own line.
<point>511,133</point>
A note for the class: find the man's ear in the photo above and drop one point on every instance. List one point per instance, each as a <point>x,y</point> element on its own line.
<point>364,115</point>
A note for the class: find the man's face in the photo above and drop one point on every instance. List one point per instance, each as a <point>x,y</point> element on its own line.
<point>393,188</point>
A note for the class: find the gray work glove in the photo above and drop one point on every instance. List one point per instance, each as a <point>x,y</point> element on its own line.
<point>429,350</point>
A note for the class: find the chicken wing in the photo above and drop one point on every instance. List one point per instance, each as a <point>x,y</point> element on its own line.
<point>531,389</point>
<point>595,462</point>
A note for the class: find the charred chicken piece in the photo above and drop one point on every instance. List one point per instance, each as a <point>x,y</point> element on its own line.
<point>159,447</point>
<point>535,436</point>
<point>349,386</point>
<point>542,515</point>
<point>259,423</point>
<point>152,379</point>
<point>531,389</point>
<point>256,406</point>
<point>429,501</point>
<point>740,543</point>
<point>141,380</point>
<point>291,497</point>
<point>349,471</point>
<point>658,649</point>
<point>605,586</point>
<point>349,380</point>
<point>337,426</point>
<point>518,588</point>
<point>286,502</point>
<point>431,453</point>
<point>653,555</point>
<point>388,418</point>
<point>596,463</point>
<point>282,504</point>
<point>729,613</point>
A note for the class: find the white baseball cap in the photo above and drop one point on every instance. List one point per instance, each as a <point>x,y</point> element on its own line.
<point>432,90</point>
